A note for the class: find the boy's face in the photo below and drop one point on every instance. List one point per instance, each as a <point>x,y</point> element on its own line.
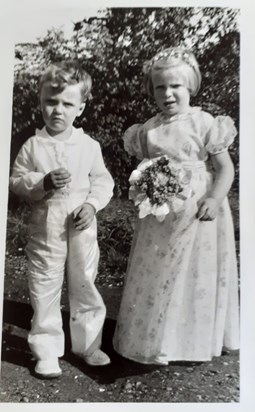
<point>60,108</point>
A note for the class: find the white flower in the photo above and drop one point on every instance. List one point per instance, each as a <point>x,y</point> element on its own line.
<point>145,208</point>
<point>135,175</point>
<point>161,212</point>
<point>162,179</point>
<point>144,164</point>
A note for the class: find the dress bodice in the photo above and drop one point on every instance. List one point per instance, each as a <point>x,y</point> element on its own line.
<point>186,137</point>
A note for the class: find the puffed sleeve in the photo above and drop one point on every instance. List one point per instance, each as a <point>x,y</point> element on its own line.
<point>135,141</point>
<point>220,135</point>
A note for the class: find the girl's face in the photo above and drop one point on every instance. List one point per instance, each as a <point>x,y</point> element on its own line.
<point>60,108</point>
<point>170,91</point>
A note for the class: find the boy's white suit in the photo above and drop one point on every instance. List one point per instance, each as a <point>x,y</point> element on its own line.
<point>55,246</point>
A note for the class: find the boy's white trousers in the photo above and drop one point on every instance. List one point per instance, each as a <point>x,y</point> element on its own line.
<point>56,247</point>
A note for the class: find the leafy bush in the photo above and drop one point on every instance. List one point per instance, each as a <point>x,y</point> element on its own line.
<point>17,227</point>
<point>115,232</point>
<point>113,49</point>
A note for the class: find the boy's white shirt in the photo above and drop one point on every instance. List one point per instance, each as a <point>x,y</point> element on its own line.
<point>80,155</point>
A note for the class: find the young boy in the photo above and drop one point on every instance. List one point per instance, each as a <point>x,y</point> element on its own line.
<point>62,172</point>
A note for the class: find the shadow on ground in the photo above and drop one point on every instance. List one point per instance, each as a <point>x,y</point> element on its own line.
<point>17,316</point>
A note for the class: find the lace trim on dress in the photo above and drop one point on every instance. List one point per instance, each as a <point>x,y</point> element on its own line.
<point>165,118</point>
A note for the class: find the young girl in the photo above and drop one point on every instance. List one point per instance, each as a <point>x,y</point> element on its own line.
<point>180,300</point>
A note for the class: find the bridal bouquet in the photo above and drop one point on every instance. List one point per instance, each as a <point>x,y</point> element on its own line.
<point>157,186</point>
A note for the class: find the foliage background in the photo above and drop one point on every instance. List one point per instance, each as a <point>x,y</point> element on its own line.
<point>113,48</point>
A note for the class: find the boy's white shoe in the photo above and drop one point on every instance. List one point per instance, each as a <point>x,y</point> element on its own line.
<point>97,358</point>
<point>48,369</point>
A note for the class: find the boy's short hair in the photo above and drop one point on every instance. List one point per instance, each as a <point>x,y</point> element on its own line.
<point>64,73</point>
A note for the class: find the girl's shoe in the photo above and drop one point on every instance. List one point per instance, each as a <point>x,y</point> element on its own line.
<point>48,369</point>
<point>160,360</point>
<point>97,358</point>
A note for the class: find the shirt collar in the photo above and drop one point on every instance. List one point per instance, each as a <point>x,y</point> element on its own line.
<point>43,134</point>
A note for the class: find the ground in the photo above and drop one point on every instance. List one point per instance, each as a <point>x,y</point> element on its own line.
<point>123,380</point>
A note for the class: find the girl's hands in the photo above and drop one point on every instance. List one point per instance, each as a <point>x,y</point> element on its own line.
<point>224,174</point>
<point>56,179</point>
<point>83,216</point>
<point>208,209</point>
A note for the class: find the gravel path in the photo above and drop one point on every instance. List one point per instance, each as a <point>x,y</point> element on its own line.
<point>122,381</point>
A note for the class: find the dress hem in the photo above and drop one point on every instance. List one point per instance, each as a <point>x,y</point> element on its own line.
<point>150,362</point>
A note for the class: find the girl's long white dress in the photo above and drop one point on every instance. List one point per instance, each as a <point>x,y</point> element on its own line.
<point>180,298</point>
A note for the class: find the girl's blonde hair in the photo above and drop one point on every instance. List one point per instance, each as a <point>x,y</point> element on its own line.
<point>65,73</point>
<point>174,57</point>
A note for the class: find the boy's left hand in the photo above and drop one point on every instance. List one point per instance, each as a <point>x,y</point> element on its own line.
<point>83,216</point>
<point>208,209</point>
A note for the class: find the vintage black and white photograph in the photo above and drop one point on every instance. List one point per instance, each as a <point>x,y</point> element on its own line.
<point>122,274</point>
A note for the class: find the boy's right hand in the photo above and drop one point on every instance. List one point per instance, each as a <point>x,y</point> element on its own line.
<point>56,179</point>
